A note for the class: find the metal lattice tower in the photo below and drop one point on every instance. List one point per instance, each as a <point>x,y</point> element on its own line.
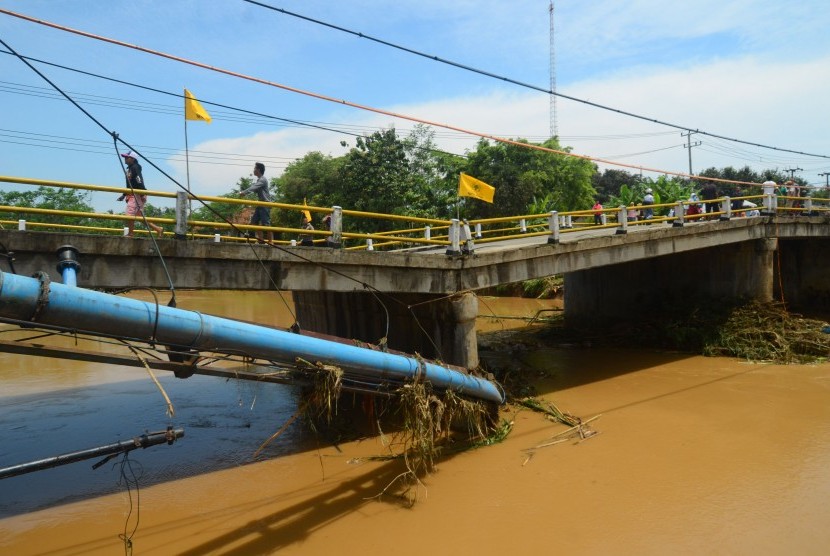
<point>554,127</point>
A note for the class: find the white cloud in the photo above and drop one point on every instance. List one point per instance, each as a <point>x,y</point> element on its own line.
<point>744,99</point>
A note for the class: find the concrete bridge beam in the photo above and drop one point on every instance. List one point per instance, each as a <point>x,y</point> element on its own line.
<point>671,284</point>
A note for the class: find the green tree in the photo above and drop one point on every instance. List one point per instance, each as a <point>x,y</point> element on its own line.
<point>313,178</point>
<point>53,198</point>
<point>386,174</point>
<point>609,184</point>
<point>522,176</point>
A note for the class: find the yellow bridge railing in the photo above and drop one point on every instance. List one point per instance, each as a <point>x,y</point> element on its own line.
<point>456,235</point>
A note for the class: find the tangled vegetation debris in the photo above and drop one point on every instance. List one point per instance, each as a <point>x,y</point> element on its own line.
<point>768,332</point>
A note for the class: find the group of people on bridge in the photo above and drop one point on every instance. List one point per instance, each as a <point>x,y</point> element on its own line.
<point>259,216</point>
<point>706,202</point>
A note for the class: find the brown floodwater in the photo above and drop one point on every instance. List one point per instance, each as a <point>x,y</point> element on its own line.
<point>693,455</point>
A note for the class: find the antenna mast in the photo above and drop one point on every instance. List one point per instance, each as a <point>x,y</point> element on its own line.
<point>554,128</point>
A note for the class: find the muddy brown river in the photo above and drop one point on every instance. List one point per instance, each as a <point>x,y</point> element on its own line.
<point>693,455</point>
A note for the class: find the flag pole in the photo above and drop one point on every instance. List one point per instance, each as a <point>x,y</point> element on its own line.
<point>186,150</point>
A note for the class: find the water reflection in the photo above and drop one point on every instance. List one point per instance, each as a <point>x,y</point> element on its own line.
<point>53,406</point>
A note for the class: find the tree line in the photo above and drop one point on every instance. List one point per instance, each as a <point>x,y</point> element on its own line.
<point>408,175</point>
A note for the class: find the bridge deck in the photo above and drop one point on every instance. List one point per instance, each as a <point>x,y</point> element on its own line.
<point>118,262</point>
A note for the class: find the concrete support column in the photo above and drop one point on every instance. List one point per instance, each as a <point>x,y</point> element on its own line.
<point>765,269</point>
<point>434,326</point>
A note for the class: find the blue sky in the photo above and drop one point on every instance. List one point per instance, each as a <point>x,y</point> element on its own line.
<point>755,70</point>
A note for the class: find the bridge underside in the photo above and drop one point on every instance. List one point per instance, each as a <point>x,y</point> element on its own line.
<point>676,284</point>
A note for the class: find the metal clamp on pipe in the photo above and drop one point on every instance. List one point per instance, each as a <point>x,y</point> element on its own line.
<point>68,264</point>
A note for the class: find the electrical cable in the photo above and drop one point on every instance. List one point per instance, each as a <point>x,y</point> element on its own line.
<point>112,134</point>
<point>298,123</point>
<point>515,82</point>
<point>258,258</point>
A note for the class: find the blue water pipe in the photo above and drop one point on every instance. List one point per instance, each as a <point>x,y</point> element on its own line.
<point>26,299</point>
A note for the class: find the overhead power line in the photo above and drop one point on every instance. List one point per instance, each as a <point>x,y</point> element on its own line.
<point>48,93</point>
<point>319,96</point>
<point>514,81</point>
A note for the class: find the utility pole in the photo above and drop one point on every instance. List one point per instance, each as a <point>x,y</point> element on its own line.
<point>826,179</point>
<point>554,127</point>
<point>792,171</point>
<point>689,146</point>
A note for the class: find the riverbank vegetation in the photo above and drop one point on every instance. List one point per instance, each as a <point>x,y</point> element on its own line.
<point>755,331</point>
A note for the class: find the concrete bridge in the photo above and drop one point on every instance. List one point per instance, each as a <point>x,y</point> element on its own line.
<point>362,294</point>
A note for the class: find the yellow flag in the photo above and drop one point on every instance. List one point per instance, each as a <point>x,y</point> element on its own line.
<point>306,212</point>
<point>468,186</point>
<point>193,110</point>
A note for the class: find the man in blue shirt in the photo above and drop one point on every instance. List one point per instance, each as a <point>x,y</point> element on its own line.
<point>262,215</point>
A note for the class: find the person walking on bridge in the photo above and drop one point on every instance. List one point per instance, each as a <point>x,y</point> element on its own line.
<point>262,215</point>
<point>648,200</point>
<point>709,193</point>
<point>597,213</point>
<point>306,240</point>
<point>136,201</point>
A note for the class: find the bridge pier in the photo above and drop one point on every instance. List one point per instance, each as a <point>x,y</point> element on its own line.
<point>671,284</point>
<point>805,264</point>
<point>434,326</point>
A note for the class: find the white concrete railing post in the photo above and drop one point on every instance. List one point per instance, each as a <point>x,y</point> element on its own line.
<point>553,224</point>
<point>603,218</point>
<point>182,213</point>
<point>370,245</point>
<point>217,238</point>
<point>467,238</point>
<point>454,234</point>
<point>570,221</point>
<point>336,227</point>
<point>478,230</point>
<point>523,225</point>
<point>770,203</point>
<point>126,231</point>
<point>726,208</point>
<point>293,243</point>
<point>679,213</point>
<point>808,205</point>
<point>622,220</point>
<point>21,225</point>
<point>427,232</point>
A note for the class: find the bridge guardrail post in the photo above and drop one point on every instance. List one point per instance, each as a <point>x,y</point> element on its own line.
<point>126,231</point>
<point>427,232</point>
<point>726,208</point>
<point>336,228</point>
<point>770,203</point>
<point>370,245</point>
<point>808,206</point>
<point>217,238</point>
<point>454,234</point>
<point>467,238</point>
<point>553,224</point>
<point>604,219</point>
<point>679,213</point>
<point>478,230</point>
<point>622,220</point>
<point>523,225</point>
<point>21,225</point>
<point>570,221</point>
<point>182,210</point>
